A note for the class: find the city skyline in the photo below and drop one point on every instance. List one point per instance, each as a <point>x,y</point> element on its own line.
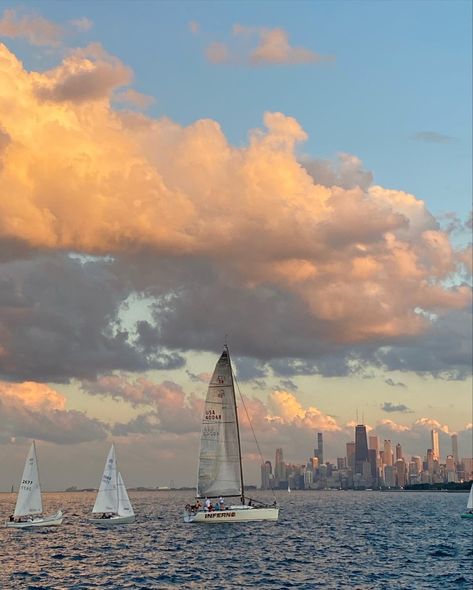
<point>186,174</point>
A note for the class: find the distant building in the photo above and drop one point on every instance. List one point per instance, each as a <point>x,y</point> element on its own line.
<point>279,468</point>
<point>398,452</point>
<point>456,457</point>
<point>351,455</point>
<point>319,451</point>
<point>341,463</point>
<point>390,476</point>
<point>401,473</point>
<point>388,453</point>
<point>435,443</point>
<point>266,475</point>
<point>373,441</point>
<point>361,447</point>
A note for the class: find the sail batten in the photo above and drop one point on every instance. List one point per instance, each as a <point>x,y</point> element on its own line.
<point>219,457</point>
<point>29,495</point>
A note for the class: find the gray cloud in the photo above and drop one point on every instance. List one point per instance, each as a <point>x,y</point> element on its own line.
<point>400,408</point>
<point>433,137</point>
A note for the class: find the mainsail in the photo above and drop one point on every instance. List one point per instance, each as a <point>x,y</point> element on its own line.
<point>220,457</point>
<point>107,496</point>
<point>29,494</point>
<point>470,499</point>
<point>124,505</point>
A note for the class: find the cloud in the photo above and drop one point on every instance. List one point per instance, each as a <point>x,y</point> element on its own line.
<point>393,383</point>
<point>34,410</point>
<point>433,137</point>
<point>86,74</point>
<point>60,318</point>
<point>82,25</point>
<point>215,238</point>
<point>31,27</point>
<point>390,407</point>
<point>194,26</point>
<point>133,98</point>
<point>259,46</point>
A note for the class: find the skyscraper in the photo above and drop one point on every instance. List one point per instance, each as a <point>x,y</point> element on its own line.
<point>279,466</point>
<point>320,448</point>
<point>455,448</point>
<point>266,475</point>
<point>398,452</point>
<point>361,447</point>
<point>388,452</point>
<point>435,443</point>
<point>374,442</point>
<point>351,455</point>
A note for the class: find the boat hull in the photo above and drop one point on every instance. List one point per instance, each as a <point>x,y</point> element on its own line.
<point>234,514</point>
<point>113,521</point>
<point>467,515</point>
<point>44,521</point>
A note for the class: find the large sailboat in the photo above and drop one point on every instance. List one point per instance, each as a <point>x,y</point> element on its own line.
<point>29,505</point>
<point>112,505</point>
<point>220,474</point>
<point>469,505</point>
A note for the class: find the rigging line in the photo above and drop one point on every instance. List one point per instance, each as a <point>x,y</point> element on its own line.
<point>249,420</point>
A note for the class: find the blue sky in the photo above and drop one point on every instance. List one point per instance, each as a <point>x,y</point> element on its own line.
<point>401,68</point>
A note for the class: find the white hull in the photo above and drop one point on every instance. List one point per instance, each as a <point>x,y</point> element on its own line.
<point>42,521</point>
<point>234,514</point>
<point>114,520</point>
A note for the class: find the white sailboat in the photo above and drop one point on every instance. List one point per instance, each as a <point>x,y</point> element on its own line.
<point>112,502</point>
<point>220,468</point>
<point>469,505</point>
<point>29,506</point>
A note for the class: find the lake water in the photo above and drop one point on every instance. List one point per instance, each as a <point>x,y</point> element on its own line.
<point>329,540</point>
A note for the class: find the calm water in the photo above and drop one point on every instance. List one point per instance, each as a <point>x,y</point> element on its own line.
<point>323,540</point>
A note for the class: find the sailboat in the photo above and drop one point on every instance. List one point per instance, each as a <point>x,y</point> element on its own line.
<point>220,472</point>
<point>469,505</point>
<point>29,506</point>
<point>112,502</point>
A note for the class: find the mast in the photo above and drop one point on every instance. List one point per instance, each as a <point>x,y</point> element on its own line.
<point>37,470</point>
<point>237,427</point>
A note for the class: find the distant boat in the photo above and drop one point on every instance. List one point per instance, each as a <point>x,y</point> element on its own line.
<point>220,467</point>
<point>29,504</point>
<point>112,502</point>
<point>288,488</point>
<point>469,505</point>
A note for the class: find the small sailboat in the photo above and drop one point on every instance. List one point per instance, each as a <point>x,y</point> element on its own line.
<point>29,505</point>
<point>288,488</point>
<point>469,505</point>
<point>112,505</point>
<point>220,467</point>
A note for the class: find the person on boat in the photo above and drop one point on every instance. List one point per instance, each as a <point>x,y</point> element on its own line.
<point>11,518</point>
<point>221,502</point>
<point>250,503</point>
<point>207,504</point>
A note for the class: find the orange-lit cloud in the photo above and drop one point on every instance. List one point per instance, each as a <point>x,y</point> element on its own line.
<point>340,261</point>
<point>34,410</point>
<point>32,27</point>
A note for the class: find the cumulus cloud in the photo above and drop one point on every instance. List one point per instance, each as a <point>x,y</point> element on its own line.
<point>32,27</point>
<point>260,46</point>
<point>34,410</point>
<point>133,98</point>
<point>390,407</point>
<point>218,239</point>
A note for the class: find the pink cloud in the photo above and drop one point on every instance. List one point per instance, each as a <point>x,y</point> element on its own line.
<point>35,29</point>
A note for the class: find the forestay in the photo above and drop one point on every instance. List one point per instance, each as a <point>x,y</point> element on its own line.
<point>219,459</point>
<point>107,496</point>
<point>29,494</point>
<point>124,505</point>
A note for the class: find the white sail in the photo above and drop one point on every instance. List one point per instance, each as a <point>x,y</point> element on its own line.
<point>470,499</point>
<point>29,494</point>
<point>220,460</point>
<point>124,505</point>
<point>107,496</point>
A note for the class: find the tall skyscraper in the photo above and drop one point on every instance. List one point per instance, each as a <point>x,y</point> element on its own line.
<point>266,475</point>
<point>351,455</point>
<point>279,466</point>
<point>435,443</point>
<point>374,442</point>
<point>319,451</point>
<point>456,457</point>
<point>361,447</point>
<point>388,452</point>
<point>398,452</point>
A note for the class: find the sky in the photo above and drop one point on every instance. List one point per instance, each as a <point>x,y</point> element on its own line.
<point>293,177</point>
